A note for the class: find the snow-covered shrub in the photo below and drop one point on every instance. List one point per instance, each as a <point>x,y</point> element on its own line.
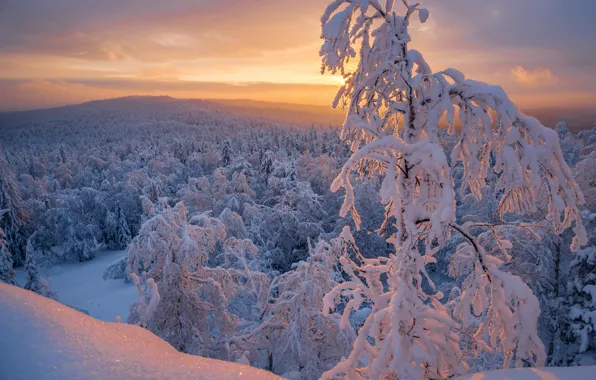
<point>116,270</point>
<point>142,310</point>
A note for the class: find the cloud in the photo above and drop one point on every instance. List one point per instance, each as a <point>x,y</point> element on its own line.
<point>147,30</point>
<point>175,40</point>
<point>278,41</point>
<point>538,76</point>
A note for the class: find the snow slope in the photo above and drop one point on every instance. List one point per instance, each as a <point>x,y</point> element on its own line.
<point>80,285</point>
<point>568,373</point>
<point>42,339</point>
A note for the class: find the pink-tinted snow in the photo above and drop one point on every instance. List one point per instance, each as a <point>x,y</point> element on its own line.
<point>43,339</point>
<point>568,373</point>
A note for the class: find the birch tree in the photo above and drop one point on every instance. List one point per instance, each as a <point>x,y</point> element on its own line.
<point>394,104</point>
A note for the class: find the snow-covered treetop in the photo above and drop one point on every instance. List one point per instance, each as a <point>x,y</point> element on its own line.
<point>395,103</point>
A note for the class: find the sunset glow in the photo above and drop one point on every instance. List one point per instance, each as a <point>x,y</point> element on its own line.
<point>64,51</point>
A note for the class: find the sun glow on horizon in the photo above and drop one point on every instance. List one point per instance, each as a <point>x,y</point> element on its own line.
<point>184,49</point>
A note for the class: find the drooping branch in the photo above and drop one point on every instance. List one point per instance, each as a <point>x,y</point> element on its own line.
<point>403,335</point>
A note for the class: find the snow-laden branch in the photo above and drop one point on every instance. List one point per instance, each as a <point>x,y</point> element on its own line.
<point>395,105</point>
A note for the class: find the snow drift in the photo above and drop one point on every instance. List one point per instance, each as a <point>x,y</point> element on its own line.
<point>43,339</point>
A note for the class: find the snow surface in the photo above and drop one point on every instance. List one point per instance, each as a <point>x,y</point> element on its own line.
<point>42,339</point>
<point>81,285</point>
<point>568,373</point>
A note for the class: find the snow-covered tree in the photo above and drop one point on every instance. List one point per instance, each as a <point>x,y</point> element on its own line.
<point>171,231</point>
<point>394,105</point>
<point>582,291</point>
<point>192,312</point>
<point>6,270</point>
<point>240,257</point>
<point>301,341</point>
<point>586,178</point>
<point>13,221</point>
<point>226,153</point>
<point>81,243</point>
<point>240,184</point>
<point>569,143</point>
<point>121,234</point>
<point>221,185</point>
<point>535,256</point>
<point>35,282</point>
<point>266,167</point>
<point>234,223</point>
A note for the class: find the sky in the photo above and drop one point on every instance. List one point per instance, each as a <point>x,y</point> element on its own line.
<point>55,52</point>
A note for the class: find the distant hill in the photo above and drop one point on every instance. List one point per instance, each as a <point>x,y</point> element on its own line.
<point>294,114</point>
<point>286,113</point>
<point>576,119</point>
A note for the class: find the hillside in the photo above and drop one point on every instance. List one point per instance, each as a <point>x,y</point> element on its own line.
<point>164,106</point>
<point>57,342</point>
<point>286,113</point>
<point>51,341</point>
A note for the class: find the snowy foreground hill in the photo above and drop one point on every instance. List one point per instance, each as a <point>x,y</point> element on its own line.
<point>43,339</point>
<point>567,373</point>
<point>57,342</point>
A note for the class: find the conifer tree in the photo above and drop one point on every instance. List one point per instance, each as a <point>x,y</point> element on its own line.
<point>35,282</point>
<point>6,270</point>
<point>13,222</point>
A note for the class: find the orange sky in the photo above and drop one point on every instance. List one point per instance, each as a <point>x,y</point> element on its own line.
<point>68,51</point>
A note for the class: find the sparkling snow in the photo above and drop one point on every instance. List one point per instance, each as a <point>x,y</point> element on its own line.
<point>42,339</point>
<point>568,373</point>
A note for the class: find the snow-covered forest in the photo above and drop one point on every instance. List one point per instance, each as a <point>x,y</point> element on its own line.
<point>439,232</point>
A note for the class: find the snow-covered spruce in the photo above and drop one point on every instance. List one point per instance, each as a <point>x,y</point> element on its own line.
<point>394,104</point>
<point>6,261</point>
<point>14,214</point>
<point>582,289</point>
<point>35,282</point>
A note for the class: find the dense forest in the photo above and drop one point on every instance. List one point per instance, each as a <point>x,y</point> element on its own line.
<point>233,221</point>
